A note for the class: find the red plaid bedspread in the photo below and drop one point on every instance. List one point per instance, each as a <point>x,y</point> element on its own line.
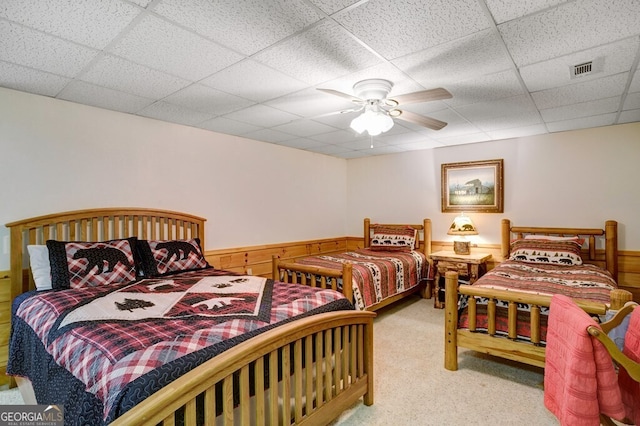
<point>581,282</point>
<point>107,354</point>
<point>377,275</point>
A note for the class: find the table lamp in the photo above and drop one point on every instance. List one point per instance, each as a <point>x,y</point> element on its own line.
<point>463,226</point>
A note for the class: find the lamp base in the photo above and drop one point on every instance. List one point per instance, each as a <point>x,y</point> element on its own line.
<point>462,247</point>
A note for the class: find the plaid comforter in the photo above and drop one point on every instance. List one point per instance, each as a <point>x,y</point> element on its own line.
<point>377,275</point>
<point>580,282</point>
<point>109,338</point>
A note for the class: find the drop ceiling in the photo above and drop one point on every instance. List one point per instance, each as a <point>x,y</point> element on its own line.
<point>251,67</point>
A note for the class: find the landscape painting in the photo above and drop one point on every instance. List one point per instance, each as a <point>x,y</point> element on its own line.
<point>473,186</point>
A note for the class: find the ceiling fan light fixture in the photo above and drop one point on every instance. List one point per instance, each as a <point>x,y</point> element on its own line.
<point>374,122</point>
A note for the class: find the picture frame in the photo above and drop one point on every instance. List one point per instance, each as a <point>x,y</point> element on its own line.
<point>473,186</point>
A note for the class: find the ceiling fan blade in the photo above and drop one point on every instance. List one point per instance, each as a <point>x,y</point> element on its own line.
<point>343,95</point>
<point>428,122</point>
<point>422,96</point>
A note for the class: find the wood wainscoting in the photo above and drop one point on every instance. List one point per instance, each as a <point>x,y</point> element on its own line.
<point>5,322</point>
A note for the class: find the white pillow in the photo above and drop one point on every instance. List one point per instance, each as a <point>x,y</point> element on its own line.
<point>40,266</point>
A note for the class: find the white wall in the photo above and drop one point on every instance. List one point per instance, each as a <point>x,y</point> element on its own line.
<point>58,156</point>
<point>578,178</point>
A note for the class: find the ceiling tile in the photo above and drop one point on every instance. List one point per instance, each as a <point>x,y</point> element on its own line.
<point>102,97</point>
<point>251,68</point>
<point>311,103</point>
<point>462,139</point>
<point>518,132</point>
<point>571,27</point>
<point>333,6</point>
<point>632,101</point>
<point>635,83</point>
<point>581,92</point>
<point>259,83</point>
<point>260,23</point>
<point>497,108</point>
<point>616,58</point>
<point>228,126</point>
<point>305,128</point>
<point>269,135</point>
<point>498,85</point>
<point>583,109</point>
<point>629,116</point>
<point>165,47</point>
<point>29,80</point>
<point>472,56</point>
<point>205,99</point>
<point>400,27</point>
<point>174,113</point>
<point>300,143</point>
<point>582,123</point>
<point>329,149</point>
<point>92,23</point>
<point>506,10</point>
<point>24,46</point>
<point>423,144</point>
<point>262,115</point>
<point>329,52</point>
<point>120,74</point>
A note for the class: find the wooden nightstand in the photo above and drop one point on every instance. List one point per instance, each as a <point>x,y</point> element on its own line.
<point>469,267</point>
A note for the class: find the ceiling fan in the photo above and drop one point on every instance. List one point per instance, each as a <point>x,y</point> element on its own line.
<point>379,111</point>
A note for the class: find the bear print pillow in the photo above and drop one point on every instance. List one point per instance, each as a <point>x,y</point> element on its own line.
<point>164,257</point>
<point>90,264</point>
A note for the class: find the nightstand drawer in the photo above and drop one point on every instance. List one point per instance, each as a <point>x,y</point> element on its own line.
<point>459,267</point>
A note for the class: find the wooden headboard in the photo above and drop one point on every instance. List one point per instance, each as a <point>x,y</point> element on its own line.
<point>95,225</point>
<point>423,242</point>
<point>608,261</point>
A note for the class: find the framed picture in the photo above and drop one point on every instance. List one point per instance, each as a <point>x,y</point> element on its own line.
<point>473,186</point>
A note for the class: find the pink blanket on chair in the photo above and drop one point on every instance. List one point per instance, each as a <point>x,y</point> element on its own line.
<point>580,381</point>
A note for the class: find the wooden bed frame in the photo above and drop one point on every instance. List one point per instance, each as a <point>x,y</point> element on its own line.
<point>508,347</point>
<point>291,271</point>
<point>329,356</point>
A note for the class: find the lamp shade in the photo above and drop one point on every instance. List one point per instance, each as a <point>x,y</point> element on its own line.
<point>462,225</point>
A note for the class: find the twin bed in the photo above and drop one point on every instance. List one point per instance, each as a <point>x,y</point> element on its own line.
<point>394,263</point>
<point>138,329</point>
<point>504,313</point>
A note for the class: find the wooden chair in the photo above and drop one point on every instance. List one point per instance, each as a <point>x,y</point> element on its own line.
<point>632,367</point>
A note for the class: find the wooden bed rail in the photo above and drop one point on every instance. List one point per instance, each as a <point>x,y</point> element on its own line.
<point>326,362</point>
<point>507,346</point>
<point>314,276</point>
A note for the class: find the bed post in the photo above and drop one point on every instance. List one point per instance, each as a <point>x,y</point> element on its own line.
<point>506,238</point>
<point>426,229</point>
<point>611,247</point>
<point>451,321</point>
<point>367,232</point>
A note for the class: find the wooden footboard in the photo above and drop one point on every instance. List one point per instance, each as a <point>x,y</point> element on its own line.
<point>314,276</point>
<point>307,371</point>
<point>503,346</point>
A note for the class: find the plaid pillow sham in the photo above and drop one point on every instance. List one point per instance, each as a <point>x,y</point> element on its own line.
<point>78,264</point>
<point>165,257</point>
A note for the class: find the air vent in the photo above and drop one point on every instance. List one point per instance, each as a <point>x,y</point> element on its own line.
<point>586,68</point>
<point>580,69</point>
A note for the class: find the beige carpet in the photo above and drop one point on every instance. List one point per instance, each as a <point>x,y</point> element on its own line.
<point>413,388</point>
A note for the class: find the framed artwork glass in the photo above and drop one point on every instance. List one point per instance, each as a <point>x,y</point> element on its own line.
<point>473,186</point>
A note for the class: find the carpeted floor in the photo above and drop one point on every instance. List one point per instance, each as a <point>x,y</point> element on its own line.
<point>413,388</point>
